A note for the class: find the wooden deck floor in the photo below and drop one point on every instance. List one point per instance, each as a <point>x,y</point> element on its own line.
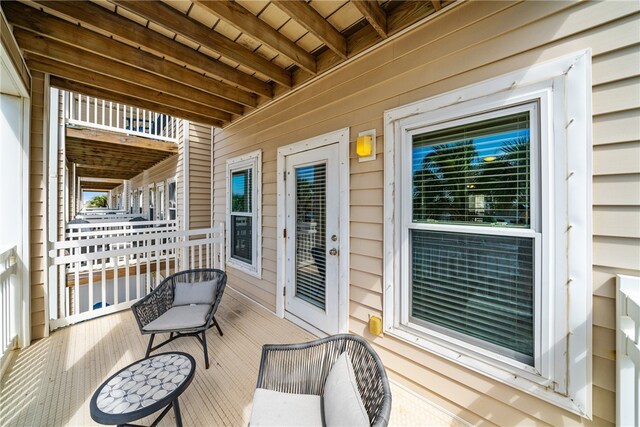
<point>51,382</point>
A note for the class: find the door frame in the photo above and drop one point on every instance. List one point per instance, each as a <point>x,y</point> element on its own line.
<point>341,137</point>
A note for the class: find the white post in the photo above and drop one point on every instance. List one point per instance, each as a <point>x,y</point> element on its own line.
<point>628,351</point>
<point>54,131</point>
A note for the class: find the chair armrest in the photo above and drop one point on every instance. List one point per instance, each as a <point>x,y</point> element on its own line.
<point>154,304</point>
<point>297,368</point>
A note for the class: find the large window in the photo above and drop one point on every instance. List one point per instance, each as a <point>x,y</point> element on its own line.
<point>488,229</point>
<point>243,213</point>
<point>473,276</point>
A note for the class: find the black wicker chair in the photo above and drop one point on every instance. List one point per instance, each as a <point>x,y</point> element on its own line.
<point>304,368</point>
<point>161,300</point>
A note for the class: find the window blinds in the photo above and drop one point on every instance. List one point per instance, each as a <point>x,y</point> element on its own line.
<point>478,285</point>
<point>474,173</point>
<point>310,236</point>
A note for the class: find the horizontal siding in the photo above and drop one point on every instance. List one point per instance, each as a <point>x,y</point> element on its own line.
<point>474,42</point>
<point>199,176</point>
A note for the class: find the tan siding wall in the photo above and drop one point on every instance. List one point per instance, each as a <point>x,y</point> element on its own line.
<point>199,176</point>
<point>474,42</point>
<point>37,213</point>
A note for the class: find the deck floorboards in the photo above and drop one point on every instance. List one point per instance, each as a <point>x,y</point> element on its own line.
<point>51,382</point>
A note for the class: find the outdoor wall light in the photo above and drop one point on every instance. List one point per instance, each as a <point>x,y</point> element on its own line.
<point>366,145</point>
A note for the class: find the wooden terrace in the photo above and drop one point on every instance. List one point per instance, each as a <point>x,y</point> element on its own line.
<point>51,382</point>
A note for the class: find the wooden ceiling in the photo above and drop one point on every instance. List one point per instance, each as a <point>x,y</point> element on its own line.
<point>99,184</point>
<point>102,154</point>
<point>207,61</point>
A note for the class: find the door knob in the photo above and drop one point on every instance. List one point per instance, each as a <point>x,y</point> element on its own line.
<point>333,251</point>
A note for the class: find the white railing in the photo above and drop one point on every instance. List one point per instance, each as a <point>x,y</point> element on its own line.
<point>109,229</point>
<point>628,351</point>
<point>8,308</point>
<point>105,215</point>
<point>87,111</point>
<point>104,271</point>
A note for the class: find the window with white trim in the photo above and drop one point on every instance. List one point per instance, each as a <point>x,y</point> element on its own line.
<point>161,201</point>
<point>152,202</point>
<point>486,187</point>
<point>172,199</point>
<point>140,201</point>
<point>243,213</point>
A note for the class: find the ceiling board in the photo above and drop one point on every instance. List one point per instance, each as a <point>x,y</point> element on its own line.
<point>254,6</point>
<point>327,7</point>
<point>203,16</point>
<point>261,66</point>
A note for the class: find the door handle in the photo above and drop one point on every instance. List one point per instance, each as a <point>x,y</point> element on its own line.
<point>333,251</point>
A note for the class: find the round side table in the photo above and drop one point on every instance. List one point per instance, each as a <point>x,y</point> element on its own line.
<point>142,388</point>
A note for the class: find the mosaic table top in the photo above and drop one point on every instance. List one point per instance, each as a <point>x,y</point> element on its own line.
<point>149,384</point>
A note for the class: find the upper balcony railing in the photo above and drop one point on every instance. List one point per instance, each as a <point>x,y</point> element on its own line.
<point>87,111</point>
<point>8,301</point>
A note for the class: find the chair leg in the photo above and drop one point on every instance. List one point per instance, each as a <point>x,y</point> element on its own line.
<point>204,347</point>
<point>150,345</point>
<point>215,322</point>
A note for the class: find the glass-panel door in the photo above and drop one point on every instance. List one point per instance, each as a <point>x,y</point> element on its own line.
<point>312,213</point>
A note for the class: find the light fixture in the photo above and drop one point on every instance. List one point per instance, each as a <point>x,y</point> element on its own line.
<point>366,145</point>
<point>489,158</point>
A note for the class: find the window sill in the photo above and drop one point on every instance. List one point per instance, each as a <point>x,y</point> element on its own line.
<point>245,268</point>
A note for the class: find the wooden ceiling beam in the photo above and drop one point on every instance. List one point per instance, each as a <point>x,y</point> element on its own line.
<point>96,16</point>
<point>309,18</point>
<point>117,138</point>
<point>373,13</point>
<point>247,22</point>
<point>85,151</point>
<point>46,65</point>
<point>171,19</point>
<point>437,4</point>
<point>102,167</point>
<point>399,17</point>
<point>34,20</point>
<point>73,86</point>
<point>98,186</point>
<point>53,49</point>
<point>107,160</point>
<point>126,155</point>
<point>93,173</point>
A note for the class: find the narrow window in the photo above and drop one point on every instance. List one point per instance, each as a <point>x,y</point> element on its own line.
<point>243,219</point>
<point>173,206</point>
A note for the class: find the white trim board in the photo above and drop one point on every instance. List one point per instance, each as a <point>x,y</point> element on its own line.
<point>341,137</point>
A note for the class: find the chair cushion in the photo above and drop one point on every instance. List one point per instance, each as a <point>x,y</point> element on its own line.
<point>186,293</point>
<point>180,317</point>
<point>274,408</point>
<point>342,402</point>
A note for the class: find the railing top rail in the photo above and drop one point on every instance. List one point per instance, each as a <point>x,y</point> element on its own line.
<point>122,224</point>
<point>8,262</point>
<point>127,238</point>
<point>7,251</point>
<point>111,253</point>
<point>85,234</point>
